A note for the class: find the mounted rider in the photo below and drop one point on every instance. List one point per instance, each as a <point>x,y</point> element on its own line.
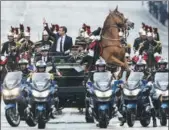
<point>124,42</point>
<point>26,43</point>
<point>10,48</point>
<point>46,40</point>
<point>142,37</point>
<point>157,39</point>
<point>149,46</point>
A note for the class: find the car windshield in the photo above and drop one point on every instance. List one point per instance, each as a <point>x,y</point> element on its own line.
<point>102,76</point>
<point>40,79</point>
<point>12,78</point>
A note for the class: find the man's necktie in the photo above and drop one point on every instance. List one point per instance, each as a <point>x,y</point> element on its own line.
<point>61,45</point>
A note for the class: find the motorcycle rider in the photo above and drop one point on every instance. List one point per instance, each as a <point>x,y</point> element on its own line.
<point>100,69</point>
<point>23,66</point>
<point>140,65</point>
<point>162,65</point>
<point>151,94</point>
<point>41,68</point>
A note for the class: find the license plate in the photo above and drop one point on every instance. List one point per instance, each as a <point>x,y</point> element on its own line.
<point>164,105</point>
<point>103,107</point>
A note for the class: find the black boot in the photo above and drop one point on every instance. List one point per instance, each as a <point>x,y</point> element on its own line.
<point>154,123</point>
<point>122,122</point>
<point>154,117</point>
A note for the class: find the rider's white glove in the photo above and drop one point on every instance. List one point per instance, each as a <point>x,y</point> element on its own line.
<point>68,51</point>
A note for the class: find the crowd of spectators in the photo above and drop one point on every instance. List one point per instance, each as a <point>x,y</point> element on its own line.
<point>159,9</point>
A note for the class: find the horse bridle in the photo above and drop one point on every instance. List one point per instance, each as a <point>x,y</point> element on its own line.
<point>116,25</point>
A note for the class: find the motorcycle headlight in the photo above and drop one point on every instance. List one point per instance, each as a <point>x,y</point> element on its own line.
<point>40,94</point>
<point>13,92</point>
<point>103,94</point>
<point>131,92</point>
<point>6,92</point>
<point>163,93</point>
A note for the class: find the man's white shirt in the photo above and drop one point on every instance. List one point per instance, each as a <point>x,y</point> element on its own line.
<point>58,43</point>
<point>44,58</point>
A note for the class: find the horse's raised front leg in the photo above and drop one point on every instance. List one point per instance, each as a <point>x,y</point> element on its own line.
<point>116,61</point>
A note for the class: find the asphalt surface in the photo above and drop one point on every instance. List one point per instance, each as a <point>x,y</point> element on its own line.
<point>73,14</point>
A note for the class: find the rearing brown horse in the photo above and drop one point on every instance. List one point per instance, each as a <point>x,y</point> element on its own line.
<point>112,51</point>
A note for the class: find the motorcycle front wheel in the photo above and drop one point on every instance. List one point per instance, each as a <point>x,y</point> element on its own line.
<point>103,123</point>
<point>41,122</point>
<point>163,118</point>
<point>130,119</point>
<point>12,116</point>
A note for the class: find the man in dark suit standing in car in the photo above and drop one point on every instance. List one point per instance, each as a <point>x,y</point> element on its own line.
<point>63,43</point>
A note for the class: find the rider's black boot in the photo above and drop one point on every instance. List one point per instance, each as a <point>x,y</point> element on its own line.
<point>154,117</point>
<point>154,123</point>
<point>122,122</point>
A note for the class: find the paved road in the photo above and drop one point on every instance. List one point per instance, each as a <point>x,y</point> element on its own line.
<point>73,15</point>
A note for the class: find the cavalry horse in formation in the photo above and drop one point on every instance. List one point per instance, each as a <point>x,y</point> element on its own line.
<point>110,48</point>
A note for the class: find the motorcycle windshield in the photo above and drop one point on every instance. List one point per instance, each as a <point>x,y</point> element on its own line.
<point>12,79</point>
<point>134,80</point>
<point>40,80</point>
<point>161,79</point>
<point>102,80</point>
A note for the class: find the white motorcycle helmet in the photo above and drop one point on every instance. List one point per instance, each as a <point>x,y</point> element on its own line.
<point>41,66</point>
<point>141,65</point>
<point>162,64</point>
<point>156,54</point>
<point>127,55</point>
<point>23,63</point>
<point>100,65</point>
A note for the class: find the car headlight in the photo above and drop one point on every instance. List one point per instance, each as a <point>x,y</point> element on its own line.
<point>163,93</point>
<point>13,92</point>
<point>131,92</point>
<point>40,94</point>
<point>103,94</point>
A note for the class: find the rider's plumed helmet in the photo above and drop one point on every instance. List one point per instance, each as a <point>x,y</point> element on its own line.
<point>10,34</point>
<point>27,34</point>
<point>45,33</point>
